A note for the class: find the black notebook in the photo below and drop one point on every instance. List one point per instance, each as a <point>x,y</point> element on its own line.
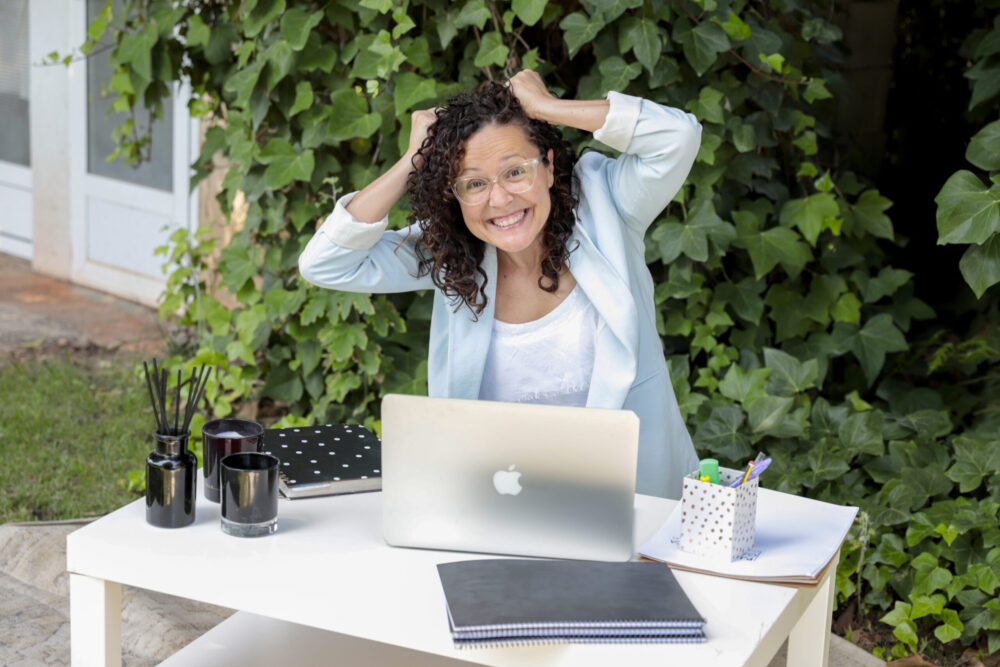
<point>326,459</point>
<point>499,602</point>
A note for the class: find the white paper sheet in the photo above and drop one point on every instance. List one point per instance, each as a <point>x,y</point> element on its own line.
<point>795,539</point>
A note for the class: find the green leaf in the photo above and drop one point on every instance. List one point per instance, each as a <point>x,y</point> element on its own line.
<point>282,384</point>
<point>303,98</point>
<point>951,628</point>
<point>704,44</point>
<point>767,412</point>
<point>744,386</point>
<point>847,309</point>
<point>283,303</point>
<point>262,14</point>
<point>616,73</point>
<point>773,246</point>
<point>529,11</point>
<point>878,337</point>
<point>296,26</point>
<point>349,117</point>
<point>474,12</point>
<point>381,6</point>
<point>861,433</point>
<point>735,27</point>
<point>984,148</point>
<point>492,51</point>
<point>974,461</point>
<point>721,435</point>
<point>774,61</point>
<point>314,310</point>
<point>708,106</point>
<point>743,297</point>
<point>789,375</point>
<point>378,57</point>
<point>809,213</point>
<point>888,281</point>
<point>925,605</point>
<point>285,164</point>
<point>404,23</point>
<point>985,77</point>
<point>816,90</point>
<point>237,265</point>
<point>579,29</point>
<point>868,214</point>
<point>980,265</point>
<point>968,212</point>
<point>645,41</point>
<point>135,49</point>
<point>412,89</point>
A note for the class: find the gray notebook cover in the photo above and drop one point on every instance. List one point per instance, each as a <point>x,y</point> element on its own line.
<point>517,599</point>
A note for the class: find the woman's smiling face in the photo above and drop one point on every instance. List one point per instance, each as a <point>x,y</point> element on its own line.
<point>511,222</point>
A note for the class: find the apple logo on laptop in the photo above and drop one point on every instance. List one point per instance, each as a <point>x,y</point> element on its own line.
<point>506,481</point>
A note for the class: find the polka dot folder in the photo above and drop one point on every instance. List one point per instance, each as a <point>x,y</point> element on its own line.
<point>326,459</point>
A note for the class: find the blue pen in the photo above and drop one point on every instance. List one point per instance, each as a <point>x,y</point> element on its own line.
<point>756,468</point>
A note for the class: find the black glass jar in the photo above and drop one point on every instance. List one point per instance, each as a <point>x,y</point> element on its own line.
<point>170,482</point>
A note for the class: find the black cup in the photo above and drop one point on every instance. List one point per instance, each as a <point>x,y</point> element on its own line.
<point>215,447</point>
<point>249,494</point>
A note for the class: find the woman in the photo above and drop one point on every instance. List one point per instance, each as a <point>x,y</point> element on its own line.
<point>541,288</point>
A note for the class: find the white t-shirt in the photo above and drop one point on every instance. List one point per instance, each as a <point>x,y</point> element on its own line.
<point>549,360</point>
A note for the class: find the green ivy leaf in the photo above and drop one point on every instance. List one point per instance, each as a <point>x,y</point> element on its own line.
<point>282,384</point>
<point>303,98</point>
<point>703,46</point>
<point>721,434</point>
<point>984,148</point>
<point>474,12</point>
<point>285,164</point>
<point>378,56</point>
<point>735,27</point>
<point>237,265</point>
<point>968,211</point>
<point>404,23</point>
<point>809,213</point>
<point>645,41</point>
<point>262,14</point>
<point>974,461</point>
<point>951,628</point>
<point>862,433</point>
<point>283,303</point>
<point>847,309</point>
<point>743,297</point>
<point>492,51</point>
<point>925,605</point>
<point>744,386</point>
<point>980,265</point>
<point>412,89</point>
<point>381,6</point>
<point>985,77</point>
<point>873,341</point>
<point>529,11</point>
<point>767,413</point>
<point>790,376</point>
<point>773,246</point>
<point>616,73</point>
<point>579,29</point>
<point>816,90</point>
<point>349,117</point>
<point>708,106</point>
<point>868,214</point>
<point>296,26</point>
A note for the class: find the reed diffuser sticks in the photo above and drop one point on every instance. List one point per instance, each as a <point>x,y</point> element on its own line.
<point>157,387</point>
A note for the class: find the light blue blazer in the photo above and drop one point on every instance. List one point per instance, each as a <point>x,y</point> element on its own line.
<point>619,199</point>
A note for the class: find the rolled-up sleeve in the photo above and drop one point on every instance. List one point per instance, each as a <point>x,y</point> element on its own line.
<point>354,256</point>
<point>658,146</point>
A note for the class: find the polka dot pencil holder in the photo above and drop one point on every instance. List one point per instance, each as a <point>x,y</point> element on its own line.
<point>718,521</point>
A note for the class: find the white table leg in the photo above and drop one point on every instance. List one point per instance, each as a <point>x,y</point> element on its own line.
<point>95,612</point>
<point>809,641</point>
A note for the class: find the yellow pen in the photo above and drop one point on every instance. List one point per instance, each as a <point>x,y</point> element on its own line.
<point>747,475</point>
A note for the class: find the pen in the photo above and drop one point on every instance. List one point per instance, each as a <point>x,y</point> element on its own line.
<point>747,475</point>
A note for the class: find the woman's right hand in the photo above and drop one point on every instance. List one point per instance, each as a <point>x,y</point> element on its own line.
<point>420,122</point>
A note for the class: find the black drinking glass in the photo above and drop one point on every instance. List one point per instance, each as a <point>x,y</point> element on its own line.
<point>249,494</point>
<point>222,437</point>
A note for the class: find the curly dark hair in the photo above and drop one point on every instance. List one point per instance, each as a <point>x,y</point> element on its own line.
<point>447,250</point>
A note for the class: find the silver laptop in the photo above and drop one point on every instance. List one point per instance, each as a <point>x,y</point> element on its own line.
<point>508,478</point>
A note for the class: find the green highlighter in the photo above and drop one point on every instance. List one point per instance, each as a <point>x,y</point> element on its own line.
<point>709,468</point>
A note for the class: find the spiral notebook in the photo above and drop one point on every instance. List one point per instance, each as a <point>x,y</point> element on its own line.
<point>325,459</point>
<point>503,602</point>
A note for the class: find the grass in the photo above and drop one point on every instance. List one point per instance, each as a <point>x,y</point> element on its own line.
<point>71,428</point>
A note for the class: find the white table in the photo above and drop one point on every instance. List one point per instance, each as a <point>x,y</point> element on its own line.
<point>327,588</point>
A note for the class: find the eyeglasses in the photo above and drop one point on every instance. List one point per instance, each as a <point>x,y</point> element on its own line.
<point>473,190</point>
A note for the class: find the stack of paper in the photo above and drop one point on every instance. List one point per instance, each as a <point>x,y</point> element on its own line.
<point>503,602</point>
<point>796,538</point>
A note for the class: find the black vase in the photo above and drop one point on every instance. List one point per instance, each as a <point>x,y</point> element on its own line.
<point>170,482</point>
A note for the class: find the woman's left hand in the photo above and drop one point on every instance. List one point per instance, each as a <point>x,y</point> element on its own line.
<point>530,91</point>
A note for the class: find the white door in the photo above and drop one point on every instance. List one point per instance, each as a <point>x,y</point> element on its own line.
<point>119,213</point>
<point>15,148</point>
